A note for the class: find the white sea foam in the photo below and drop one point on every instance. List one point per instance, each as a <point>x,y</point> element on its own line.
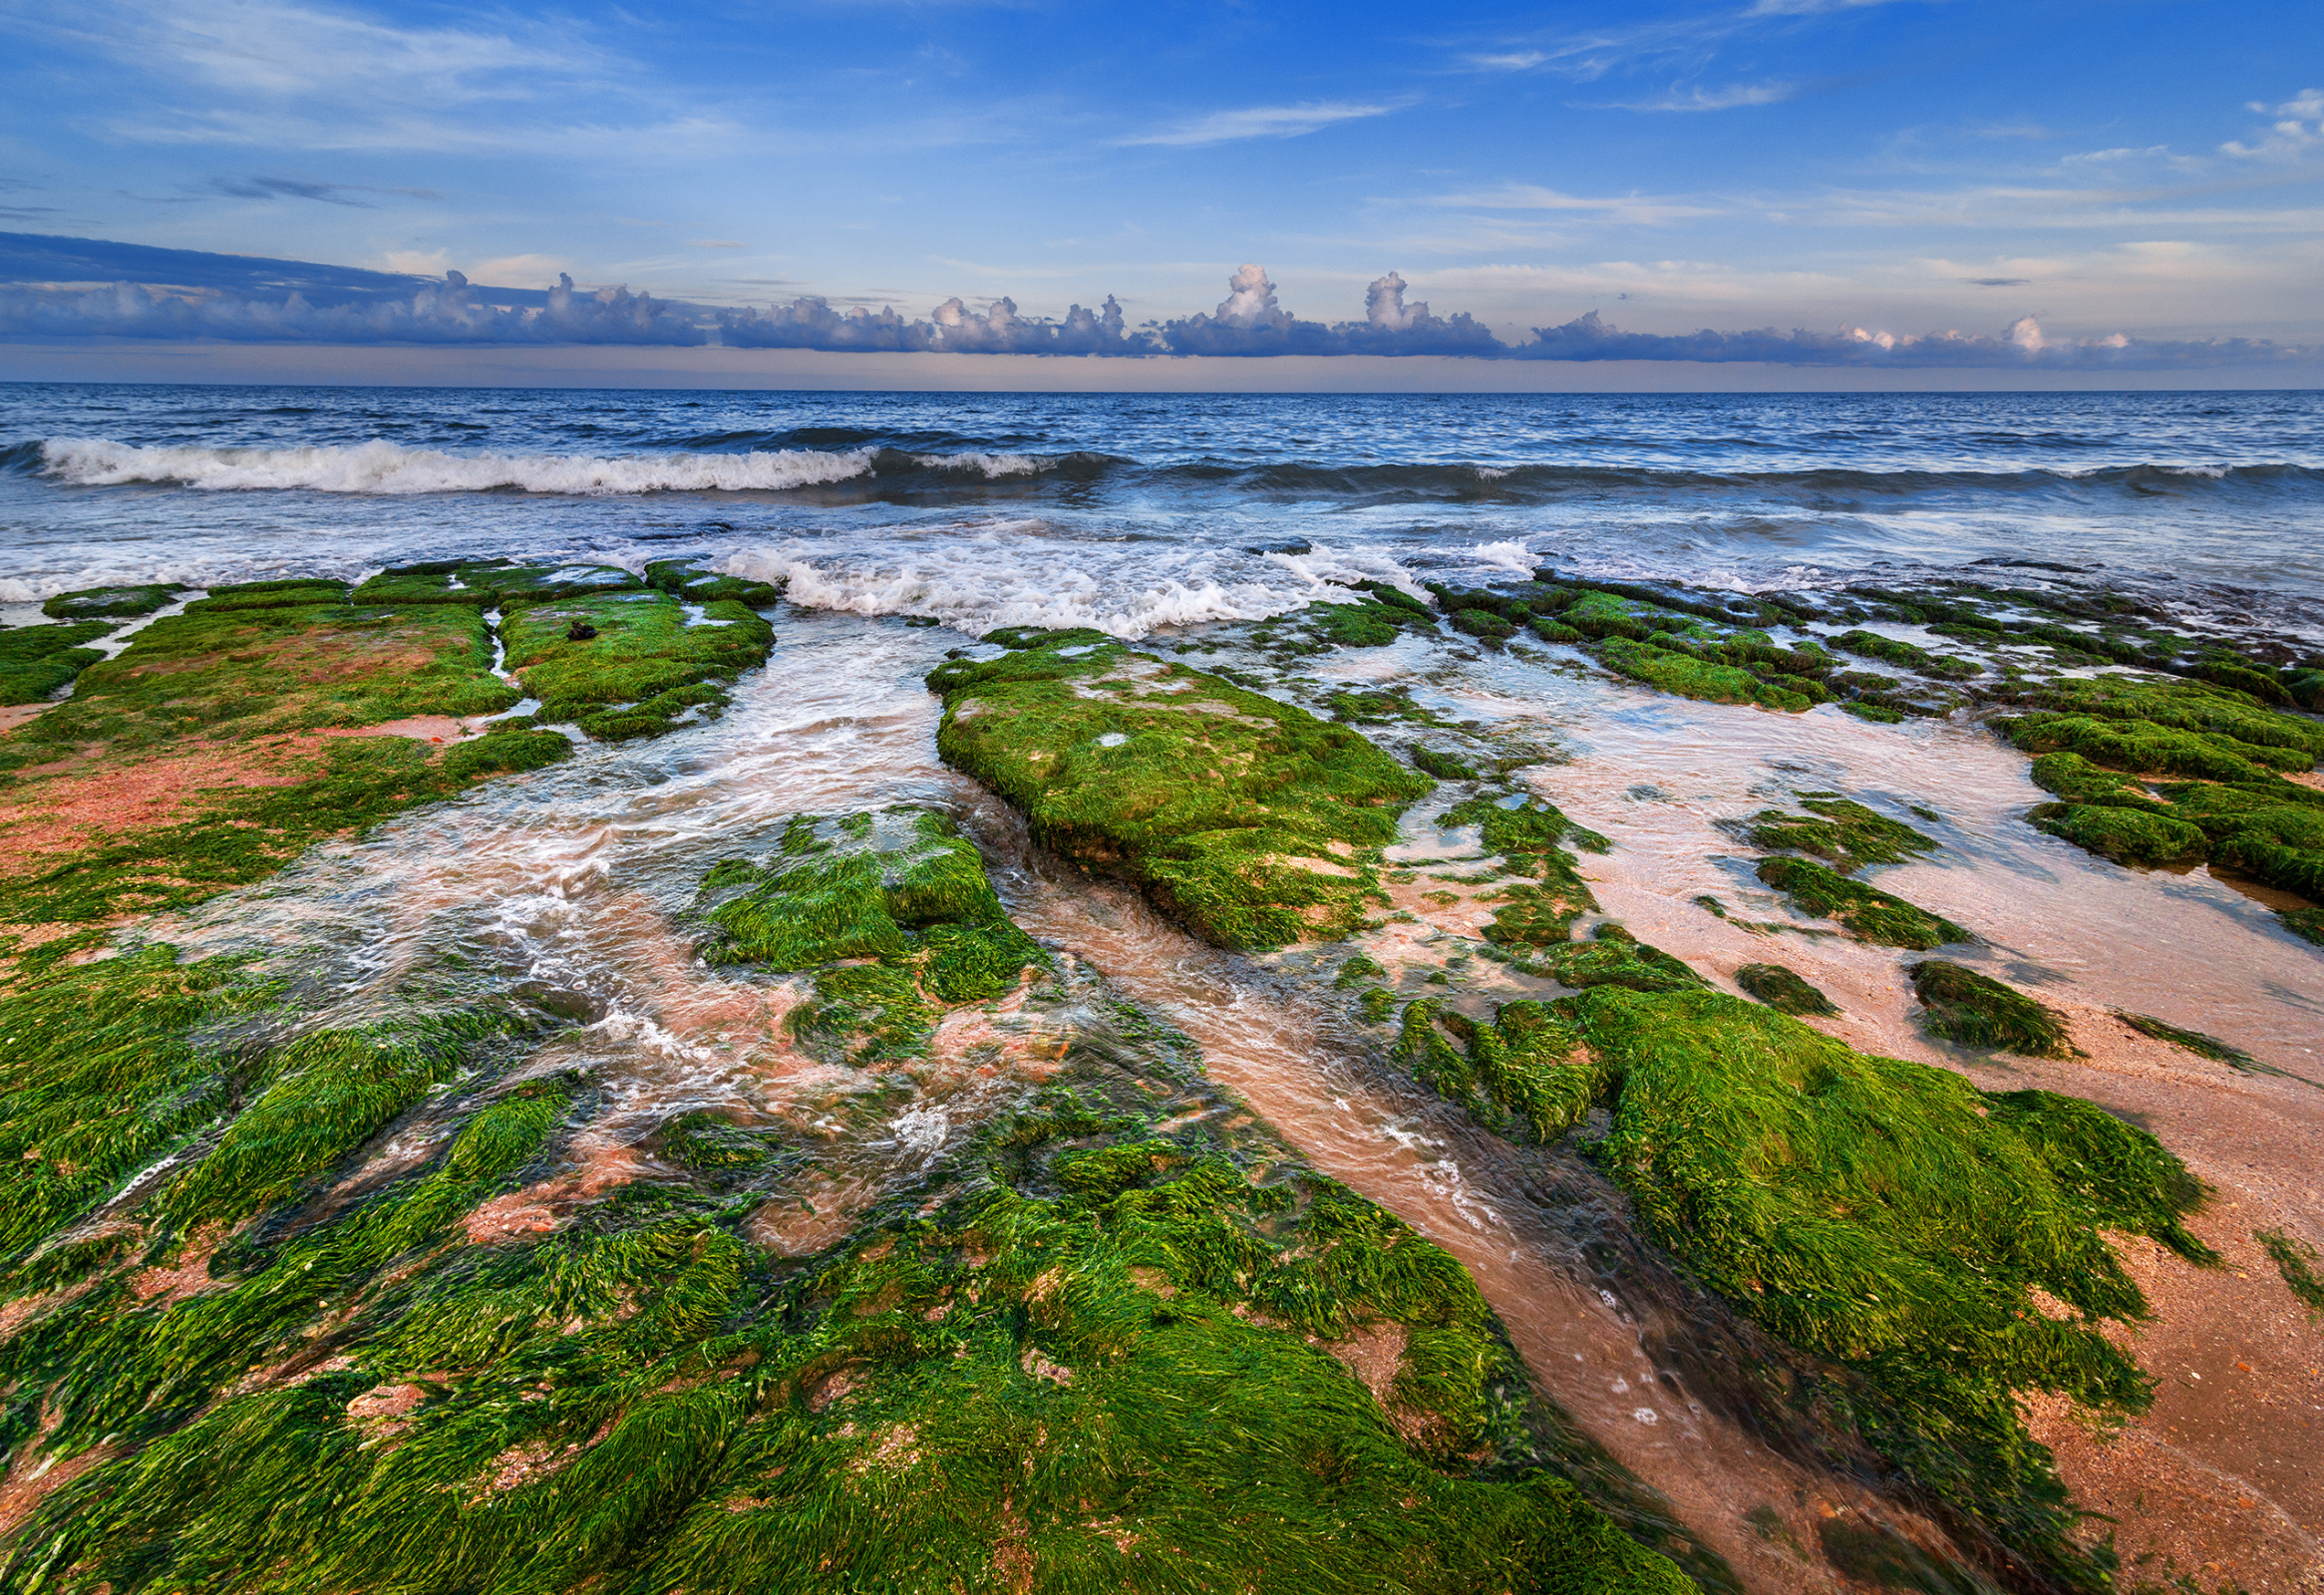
<point>985,465</point>
<point>978,583</point>
<point>388,467</point>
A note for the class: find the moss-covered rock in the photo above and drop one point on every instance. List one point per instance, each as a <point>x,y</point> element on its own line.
<point>643,666</point>
<point>1867,913</point>
<point>1883,1214</point>
<point>1690,677</point>
<point>1843,833</point>
<point>685,579</point>
<point>99,603</point>
<point>37,660</point>
<point>209,707</point>
<point>1249,820</point>
<point>486,582</point>
<point>1116,1338</point>
<point>894,915</point>
<point>1482,624</point>
<point>1978,1011</point>
<point>1910,656</point>
<point>1782,989</point>
<point>2125,835</point>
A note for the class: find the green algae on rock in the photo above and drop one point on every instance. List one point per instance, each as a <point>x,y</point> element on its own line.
<point>896,934</point>
<point>644,666</point>
<point>1545,893</point>
<point>36,660</point>
<point>1867,913</point>
<point>1249,820</point>
<point>489,583</point>
<point>216,710</point>
<point>1978,1011</point>
<point>1118,1339</point>
<point>101,603</point>
<point>1613,957</point>
<point>696,584</point>
<point>1883,1214</point>
<point>2298,1262</point>
<point>1843,833</point>
<point>1782,989</point>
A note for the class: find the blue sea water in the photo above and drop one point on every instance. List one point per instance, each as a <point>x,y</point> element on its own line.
<point>1135,512</point>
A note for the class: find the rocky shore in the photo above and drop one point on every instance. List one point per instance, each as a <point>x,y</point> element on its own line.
<point>1005,1287</point>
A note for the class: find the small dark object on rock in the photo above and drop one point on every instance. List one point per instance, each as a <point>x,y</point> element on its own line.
<point>956,652</point>
<point>580,631</point>
<point>1779,987</point>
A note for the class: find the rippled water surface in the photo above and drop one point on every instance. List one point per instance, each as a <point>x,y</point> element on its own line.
<point>1133,511</point>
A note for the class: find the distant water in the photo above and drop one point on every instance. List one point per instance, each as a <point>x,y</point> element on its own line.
<point>1133,512</point>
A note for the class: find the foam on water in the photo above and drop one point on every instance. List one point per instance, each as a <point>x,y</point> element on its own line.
<point>380,466</point>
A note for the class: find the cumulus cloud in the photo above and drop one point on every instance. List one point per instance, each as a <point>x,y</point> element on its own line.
<point>809,322</point>
<point>450,312</point>
<point>2021,345</point>
<point>67,288</point>
<point>2298,129</point>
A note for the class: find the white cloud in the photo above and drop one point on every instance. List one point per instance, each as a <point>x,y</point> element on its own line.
<point>520,271</point>
<point>1512,61</point>
<point>1260,122</point>
<point>1727,99</point>
<point>1618,207</point>
<point>432,263</point>
<point>2297,130</point>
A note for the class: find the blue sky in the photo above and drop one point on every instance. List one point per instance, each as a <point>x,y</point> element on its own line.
<point>2151,171</point>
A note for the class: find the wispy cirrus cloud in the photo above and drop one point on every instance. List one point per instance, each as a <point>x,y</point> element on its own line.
<point>1260,122</point>
<point>1524,196</point>
<point>1727,99</point>
<point>334,194</point>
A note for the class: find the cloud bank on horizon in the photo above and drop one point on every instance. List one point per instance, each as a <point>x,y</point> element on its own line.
<point>1892,184</point>
<point>232,299</point>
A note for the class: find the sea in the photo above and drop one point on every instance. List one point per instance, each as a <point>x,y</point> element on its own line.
<point>1136,512</point>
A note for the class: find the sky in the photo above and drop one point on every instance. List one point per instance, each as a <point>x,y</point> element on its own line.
<point>1904,190</point>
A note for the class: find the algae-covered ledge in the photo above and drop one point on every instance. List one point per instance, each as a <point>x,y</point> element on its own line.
<point>1943,1250</point>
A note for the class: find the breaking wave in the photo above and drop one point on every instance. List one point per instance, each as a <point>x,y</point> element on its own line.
<point>977,585</point>
<point>380,466</point>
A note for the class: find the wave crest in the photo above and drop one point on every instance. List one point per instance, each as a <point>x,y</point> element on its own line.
<point>389,467</point>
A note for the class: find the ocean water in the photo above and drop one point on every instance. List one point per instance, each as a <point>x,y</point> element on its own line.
<point>1133,512</point>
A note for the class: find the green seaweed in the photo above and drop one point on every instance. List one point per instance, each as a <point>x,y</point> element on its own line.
<point>1892,1218</point>
<point>1613,957</point>
<point>685,579</point>
<point>1249,820</point>
<point>2125,835</point>
<point>895,934</point>
<point>484,583</point>
<point>1978,1011</point>
<point>1868,914</point>
<point>2306,923</point>
<point>1910,656</point>
<point>1690,677</point>
<point>1110,1350</point>
<point>1782,989</point>
<point>643,668</point>
<point>1845,833</point>
<point>2194,1041</point>
<point>99,603</point>
<point>2298,1262</point>
<point>1441,765</point>
<point>37,660</point>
